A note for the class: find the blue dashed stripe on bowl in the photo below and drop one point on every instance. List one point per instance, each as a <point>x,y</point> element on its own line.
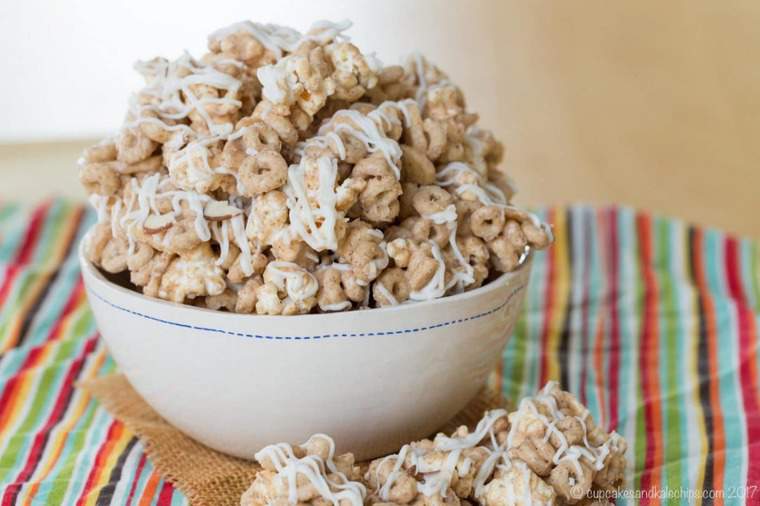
<point>313,337</point>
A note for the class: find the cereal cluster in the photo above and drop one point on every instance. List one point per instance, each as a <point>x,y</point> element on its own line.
<point>306,474</point>
<point>549,451</point>
<point>286,173</point>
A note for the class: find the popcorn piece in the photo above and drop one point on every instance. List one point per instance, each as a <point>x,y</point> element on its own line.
<point>193,275</point>
<point>517,485</point>
<point>353,74</point>
<point>301,80</point>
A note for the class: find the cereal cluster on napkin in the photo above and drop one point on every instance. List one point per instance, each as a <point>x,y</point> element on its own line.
<point>288,173</point>
<point>549,451</point>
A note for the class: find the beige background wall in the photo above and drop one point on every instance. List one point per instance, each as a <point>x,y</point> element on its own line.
<point>646,103</point>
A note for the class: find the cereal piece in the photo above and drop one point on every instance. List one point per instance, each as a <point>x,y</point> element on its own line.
<point>227,300</point>
<point>151,164</point>
<point>424,266</point>
<point>363,249</point>
<point>266,112</point>
<point>425,229</point>
<point>354,288</point>
<point>238,273</point>
<point>155,128</point>
<point>331,296</point>
<point>133,146</point>
<point>508,248</point>
<point>104,151</point>
<point>391,288</point>
<point>239,43</point>
<point>180,237</point>
<point>400,251</point>
<point>263,172</point>
<point>571,480</point>
<point>392,85</point>
<point>431,199</point>
<point>105,250</point>
<point>147,267</point>
<point>416,167</point>
<point>436,134</point>
<point>487,222</point>
<point>290,249</point>
<point>536,233</point>
<point>406,200</point>
<point>379,199</point>
<point>246,297</point>
<point>426,272</point>
<point>100,178</point>
<point>475,254</point>
<point>287,289</point>
<point>259,137</point>
<point>444,102</point>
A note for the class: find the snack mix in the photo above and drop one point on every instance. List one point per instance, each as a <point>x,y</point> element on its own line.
<point>286,173</point>
<point>549,451</point>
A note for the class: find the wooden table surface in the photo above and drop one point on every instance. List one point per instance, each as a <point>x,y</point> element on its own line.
<point>650,104</point>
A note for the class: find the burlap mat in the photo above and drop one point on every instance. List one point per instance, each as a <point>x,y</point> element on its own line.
<point>205,476</point>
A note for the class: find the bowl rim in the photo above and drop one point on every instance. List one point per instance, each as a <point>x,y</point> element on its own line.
<point>493,285</point>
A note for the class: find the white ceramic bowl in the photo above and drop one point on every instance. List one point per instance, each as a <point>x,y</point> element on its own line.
<point>372,379</point>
